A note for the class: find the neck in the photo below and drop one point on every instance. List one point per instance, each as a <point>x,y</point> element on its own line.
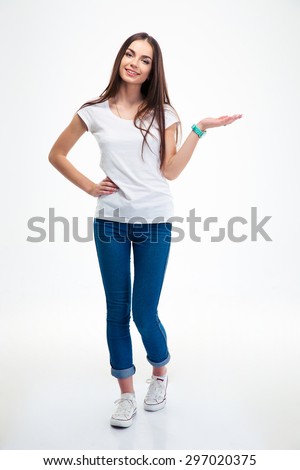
<point>129,94</point>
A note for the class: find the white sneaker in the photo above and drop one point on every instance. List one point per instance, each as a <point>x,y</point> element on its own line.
<point>125,412</point>
<point>157,393</point>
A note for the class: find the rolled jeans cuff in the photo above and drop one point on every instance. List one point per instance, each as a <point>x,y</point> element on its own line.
<point>123,373</point>
<point>159,364</point>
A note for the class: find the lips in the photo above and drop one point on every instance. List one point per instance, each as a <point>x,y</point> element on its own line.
<point>131,72</point>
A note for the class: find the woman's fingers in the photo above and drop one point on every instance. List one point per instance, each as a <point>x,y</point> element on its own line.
<point>109,181</point>
<point>107,186</point>
<point>224,120</point>
<point>211,122</point>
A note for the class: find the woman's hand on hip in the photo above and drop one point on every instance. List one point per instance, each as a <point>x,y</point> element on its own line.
<point>208,123</point>
<point>105,187</point>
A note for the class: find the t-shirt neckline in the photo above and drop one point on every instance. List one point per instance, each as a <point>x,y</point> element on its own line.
<point>117,117</point>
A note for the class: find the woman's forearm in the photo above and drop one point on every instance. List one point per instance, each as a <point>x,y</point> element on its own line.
<point>65,167</point>
<point>179,161</point>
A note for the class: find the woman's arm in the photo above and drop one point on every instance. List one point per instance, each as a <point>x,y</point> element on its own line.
<point>175,162</point>
<point>58,158</point>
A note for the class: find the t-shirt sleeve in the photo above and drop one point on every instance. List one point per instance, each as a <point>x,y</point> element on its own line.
<point>170,116</point>
<point>87,116</point>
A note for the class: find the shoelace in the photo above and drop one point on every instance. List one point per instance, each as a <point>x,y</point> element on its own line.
<point>156,389</point>
<point>125,405</point>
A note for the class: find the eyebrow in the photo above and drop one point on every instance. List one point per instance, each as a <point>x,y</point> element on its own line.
<point>128,49</point>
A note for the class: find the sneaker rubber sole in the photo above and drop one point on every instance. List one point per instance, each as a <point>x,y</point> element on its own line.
<point>120,423</point>
<point>156,406</point>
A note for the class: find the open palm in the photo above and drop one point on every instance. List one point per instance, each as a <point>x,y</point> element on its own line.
<point>210,122</point>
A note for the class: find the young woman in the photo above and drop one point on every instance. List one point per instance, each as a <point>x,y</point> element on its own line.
<point>136,128</point>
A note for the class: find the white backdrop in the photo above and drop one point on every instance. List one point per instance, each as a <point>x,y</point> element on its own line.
<point>231,309</point>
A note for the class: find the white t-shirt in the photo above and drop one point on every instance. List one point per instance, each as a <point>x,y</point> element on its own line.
<point>144,194</point>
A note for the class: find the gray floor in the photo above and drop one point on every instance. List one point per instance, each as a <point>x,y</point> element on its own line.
<point>232,385</point>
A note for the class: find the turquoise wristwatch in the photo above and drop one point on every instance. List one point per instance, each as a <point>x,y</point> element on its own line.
<point>198,131</point>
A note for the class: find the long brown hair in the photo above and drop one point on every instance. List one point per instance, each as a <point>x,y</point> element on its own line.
<point>154,90</point>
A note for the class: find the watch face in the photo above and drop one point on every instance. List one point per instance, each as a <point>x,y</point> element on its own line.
<point>198,131</point>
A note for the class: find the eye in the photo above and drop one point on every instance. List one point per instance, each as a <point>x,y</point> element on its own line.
<point>146,62</point>
<point>128,53</point>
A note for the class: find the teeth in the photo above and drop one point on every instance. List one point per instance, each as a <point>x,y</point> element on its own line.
<point>131,73</point>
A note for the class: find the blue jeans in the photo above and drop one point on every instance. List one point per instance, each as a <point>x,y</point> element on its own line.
<point>151,245</point>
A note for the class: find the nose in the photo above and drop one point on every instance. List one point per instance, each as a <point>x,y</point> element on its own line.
<point>134,63</point>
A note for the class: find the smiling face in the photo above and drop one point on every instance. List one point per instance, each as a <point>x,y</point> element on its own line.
<point>136,64</point>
